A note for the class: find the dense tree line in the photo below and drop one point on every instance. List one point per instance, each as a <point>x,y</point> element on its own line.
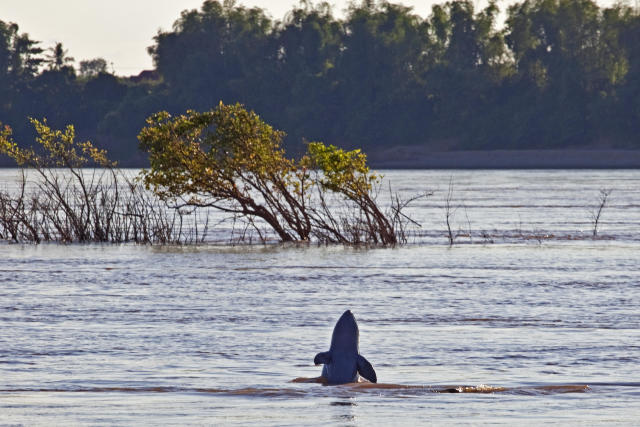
<point>559,73</point>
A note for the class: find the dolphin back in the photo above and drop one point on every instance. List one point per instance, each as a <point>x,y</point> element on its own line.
<point>342,363</point>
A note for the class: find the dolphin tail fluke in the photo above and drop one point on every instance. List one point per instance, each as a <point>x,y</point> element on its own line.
<point>366,370</point>
<point>323,358</point>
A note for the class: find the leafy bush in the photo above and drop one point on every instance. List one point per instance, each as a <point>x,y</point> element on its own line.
<point>229,159</point>
<point>78,196</point>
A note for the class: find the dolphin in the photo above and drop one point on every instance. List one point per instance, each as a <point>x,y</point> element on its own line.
<point>343,362</point>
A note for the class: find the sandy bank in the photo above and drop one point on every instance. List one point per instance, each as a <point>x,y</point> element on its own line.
<point>416,157</point>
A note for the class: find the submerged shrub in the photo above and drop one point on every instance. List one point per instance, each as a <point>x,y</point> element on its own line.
<point>229,159</point>
<point>226,159</point>
<point>78,195</point>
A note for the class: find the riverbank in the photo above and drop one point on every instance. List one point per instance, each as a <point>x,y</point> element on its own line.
<point>417,157</point>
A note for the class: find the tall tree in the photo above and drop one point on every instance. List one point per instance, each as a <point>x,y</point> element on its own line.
<point>19,55</point>
<point>211,54</point>
<point>379,74</point>
<point>566,59</point>
<point>58,58</point>
<point>469,63</point>
<point>92,67</point>
<point>628,103</point>
<point>302,73</point>
<point>20,58</point>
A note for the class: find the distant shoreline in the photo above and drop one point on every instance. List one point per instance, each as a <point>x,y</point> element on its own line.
<point>416,157</point>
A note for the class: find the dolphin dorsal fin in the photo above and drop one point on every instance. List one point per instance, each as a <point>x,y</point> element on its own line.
<point>365,369</point>
<point>322,358</point>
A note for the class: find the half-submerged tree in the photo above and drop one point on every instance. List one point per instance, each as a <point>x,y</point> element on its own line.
<point>69,191</point>
<point>229,159</point>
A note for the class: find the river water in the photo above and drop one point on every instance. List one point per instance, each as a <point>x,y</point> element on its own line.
<point>526,319</point>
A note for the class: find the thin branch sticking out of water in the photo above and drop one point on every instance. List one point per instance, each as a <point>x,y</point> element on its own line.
<point>597,212</point>
<point>101,205</point>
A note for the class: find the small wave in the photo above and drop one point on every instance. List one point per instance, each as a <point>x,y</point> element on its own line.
<point>482,388</point>
<point>360,387</point>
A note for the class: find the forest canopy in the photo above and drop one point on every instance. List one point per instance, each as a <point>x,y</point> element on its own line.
<point>557,74</point>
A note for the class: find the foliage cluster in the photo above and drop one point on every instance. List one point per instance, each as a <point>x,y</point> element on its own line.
<point>229,159</point>
<point>560,73</point>
<point>69,191</point>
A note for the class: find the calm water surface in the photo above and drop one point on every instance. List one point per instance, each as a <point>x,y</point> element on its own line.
<point>527,315</point>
